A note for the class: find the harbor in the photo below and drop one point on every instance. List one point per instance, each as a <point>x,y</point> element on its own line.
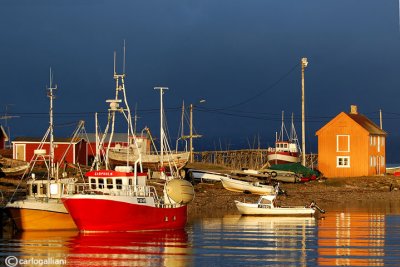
<point>199,133</point>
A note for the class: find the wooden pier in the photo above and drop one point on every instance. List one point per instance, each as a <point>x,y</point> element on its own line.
<point>245,158</point>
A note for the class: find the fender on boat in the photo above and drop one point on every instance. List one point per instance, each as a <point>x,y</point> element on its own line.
<point>180,191</point>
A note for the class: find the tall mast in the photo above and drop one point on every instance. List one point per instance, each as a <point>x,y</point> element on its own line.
<point>162,134</point>
<point>51,97</point>
<point>304,64</point>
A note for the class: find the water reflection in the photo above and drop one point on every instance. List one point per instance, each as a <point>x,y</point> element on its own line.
<point>351,238</point>
<point>153,248</point>
<point>158,248</point>
<point>254,240</point>
<point>354,239</point>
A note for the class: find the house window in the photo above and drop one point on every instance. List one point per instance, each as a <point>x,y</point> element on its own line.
<point>342,143</point>
<point>372,161</point>
<point>343,162</point>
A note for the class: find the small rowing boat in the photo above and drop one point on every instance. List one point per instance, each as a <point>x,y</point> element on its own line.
<point>246,187</point>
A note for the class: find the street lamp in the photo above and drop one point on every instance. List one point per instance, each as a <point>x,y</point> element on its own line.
<point>304,64</point>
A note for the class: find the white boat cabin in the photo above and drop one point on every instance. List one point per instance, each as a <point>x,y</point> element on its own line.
<point>267,202</point>
<point>48,188</point>
<point>285,146</point>
<point>122,181</point>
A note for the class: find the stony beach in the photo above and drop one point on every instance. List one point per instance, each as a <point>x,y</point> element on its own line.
<point>328,193</point>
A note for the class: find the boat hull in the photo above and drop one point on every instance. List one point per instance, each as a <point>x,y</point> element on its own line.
<point>149,161</point>
<point>205,175</point>
<point>263,210</point>
<point>243,186</point>
<point>274,158</point>
<point>40,220</point>
<point>119,213</point>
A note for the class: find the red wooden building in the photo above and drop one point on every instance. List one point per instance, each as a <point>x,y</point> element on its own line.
<point>75,149</point>
<point>351,145</point>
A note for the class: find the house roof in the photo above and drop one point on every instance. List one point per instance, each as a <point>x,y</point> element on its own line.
<point>359,119</point>
<point>367,124</point>
<point>39,139</point>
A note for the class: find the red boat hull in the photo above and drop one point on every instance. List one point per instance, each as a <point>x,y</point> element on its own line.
<point>93,214</point>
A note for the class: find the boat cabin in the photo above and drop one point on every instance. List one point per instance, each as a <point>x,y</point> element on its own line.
<point>285,146</point>
<point>267,201</point>
<point>114,182</point>
<point>48,189</point>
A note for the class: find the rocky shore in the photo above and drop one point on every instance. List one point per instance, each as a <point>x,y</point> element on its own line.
<point>213,199</point>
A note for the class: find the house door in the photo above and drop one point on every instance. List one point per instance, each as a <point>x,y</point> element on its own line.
<point>20,151</point>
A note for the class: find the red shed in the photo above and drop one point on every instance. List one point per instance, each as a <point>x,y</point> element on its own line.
<point>75,149</point>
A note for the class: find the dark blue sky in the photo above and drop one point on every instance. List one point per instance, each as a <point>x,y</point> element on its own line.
<point>240,56</point>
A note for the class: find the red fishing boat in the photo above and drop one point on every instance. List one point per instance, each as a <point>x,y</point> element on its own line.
<point>121,199</point>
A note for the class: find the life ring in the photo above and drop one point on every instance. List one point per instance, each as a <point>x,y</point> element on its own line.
<point>274,174</point>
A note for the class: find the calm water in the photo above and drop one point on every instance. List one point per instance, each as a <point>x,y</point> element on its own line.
<point>352,237</point>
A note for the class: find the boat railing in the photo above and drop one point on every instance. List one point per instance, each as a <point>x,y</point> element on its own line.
<point>121,190</point>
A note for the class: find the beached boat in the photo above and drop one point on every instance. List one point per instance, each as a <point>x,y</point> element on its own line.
<point>266,205</point>
<point>204,175</point>
<point>150,160</point>
<point>285,151</point>
<point>42,208</point>
<point>121,199</point>
<point>246,187</point>
<point>12,167</point>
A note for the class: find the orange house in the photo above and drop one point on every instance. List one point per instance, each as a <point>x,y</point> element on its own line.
<point>351,145</point>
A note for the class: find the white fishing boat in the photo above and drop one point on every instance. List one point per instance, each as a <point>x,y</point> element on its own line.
<point>266,206</point>
<point>204,175</point>
<point>256,187</point>
<point>285,151</point>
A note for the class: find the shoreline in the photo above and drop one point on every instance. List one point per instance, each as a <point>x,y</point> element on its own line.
<point>213,198</point>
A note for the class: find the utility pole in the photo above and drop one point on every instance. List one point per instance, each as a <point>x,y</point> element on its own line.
<point>304,64</point>
<point>191,134</point>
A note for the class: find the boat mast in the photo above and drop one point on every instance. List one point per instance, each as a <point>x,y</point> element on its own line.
<point>51,97</point>
<point>162,134</point>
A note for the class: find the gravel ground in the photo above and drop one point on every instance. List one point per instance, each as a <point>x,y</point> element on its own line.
<point>213,199</point>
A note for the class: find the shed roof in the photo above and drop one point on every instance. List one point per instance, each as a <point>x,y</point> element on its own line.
<point>39,139</point>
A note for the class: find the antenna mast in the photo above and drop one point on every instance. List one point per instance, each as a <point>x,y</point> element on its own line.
<point>162,134</point>
<point>51,96</point>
